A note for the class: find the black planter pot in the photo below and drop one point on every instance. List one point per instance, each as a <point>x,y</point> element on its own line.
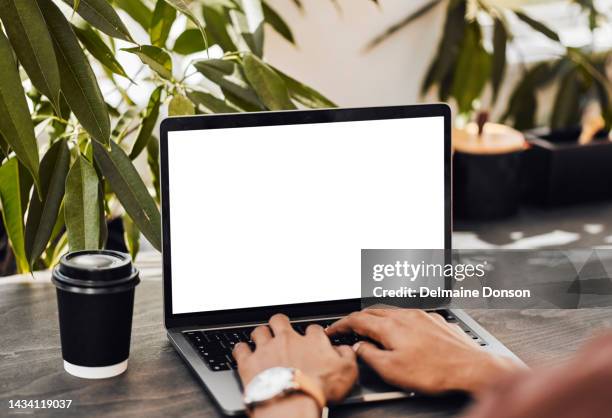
<point>559,171</point>
<point>486,186</point>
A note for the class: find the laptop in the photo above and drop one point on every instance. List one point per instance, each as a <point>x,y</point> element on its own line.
<point>268,212</point>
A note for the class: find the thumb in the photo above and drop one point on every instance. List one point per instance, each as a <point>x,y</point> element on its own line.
<point>373,356</point>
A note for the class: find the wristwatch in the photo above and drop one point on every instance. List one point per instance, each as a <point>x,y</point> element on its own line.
<point>277,382</point>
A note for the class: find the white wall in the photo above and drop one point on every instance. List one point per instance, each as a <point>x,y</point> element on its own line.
<point>330,56</point>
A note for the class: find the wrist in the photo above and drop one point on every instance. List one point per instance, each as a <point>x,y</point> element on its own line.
<point>487,371</point>
<point>297,405</point>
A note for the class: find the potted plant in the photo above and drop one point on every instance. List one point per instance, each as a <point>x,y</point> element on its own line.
<point>67,152</point>
<point>486,157</point>
<point>469,62</point>
<point>569,161</point>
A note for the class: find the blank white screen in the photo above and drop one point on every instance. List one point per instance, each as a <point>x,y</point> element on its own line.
<point>278,215</point>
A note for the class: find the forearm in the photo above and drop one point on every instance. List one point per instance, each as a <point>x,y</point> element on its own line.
<point>297,405</point>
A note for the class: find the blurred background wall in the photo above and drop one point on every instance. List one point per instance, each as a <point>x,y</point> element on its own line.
<point>330,54</point>
<point>332,38</point>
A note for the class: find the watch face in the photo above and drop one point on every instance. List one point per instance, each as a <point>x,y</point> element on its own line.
<point>269,383</point>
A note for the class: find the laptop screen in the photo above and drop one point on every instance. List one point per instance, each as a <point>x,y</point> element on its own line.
<point>276,215</point>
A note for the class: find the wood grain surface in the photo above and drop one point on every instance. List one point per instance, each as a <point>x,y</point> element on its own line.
<point>157,383</point>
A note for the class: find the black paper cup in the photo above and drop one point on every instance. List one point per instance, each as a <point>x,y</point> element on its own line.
<point>95,298</point>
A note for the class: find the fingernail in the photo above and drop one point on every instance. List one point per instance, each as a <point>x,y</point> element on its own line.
<point>356,346</point>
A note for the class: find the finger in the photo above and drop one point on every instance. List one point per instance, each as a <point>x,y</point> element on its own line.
<point>363,324</point>
<point>352,322</point>
<point>261,334</point>
<point>315,331</point>
<point>377,311</point>
<point>437,317</point>
<point>373,356</point>
<point>346,352</point>
<point>241,352</point>
<point>280,324</point>
<point>456,328</point>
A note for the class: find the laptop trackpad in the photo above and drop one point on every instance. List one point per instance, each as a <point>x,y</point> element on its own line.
<point>370,382</point>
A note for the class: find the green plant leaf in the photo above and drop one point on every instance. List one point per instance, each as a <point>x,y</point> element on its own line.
<point>208,103</point>
<point>604,96</point>
<point>99,50</point>
<point>473,69</point>
<point>130,190</point>
<point>13,210</point>
<point>220,4</point>
<point>25,184</point>
<point>277,23</point>
<point>137,11</point>
<point>442,67</point>
<point>245,106</point>
<point>500,40</point>
<point>161,22</point>
<point>101,15</point>
<point>15,124</point>
<point>81,207</point>
<point>522,106</point>
<point>269,86</point>
<point>401,24</point>
<point>153,163</point>
<point>59,227</point>
<point>58,242</point>
<point>42,214</point>
<point>590,69</point>
<point>250,22</point>
<point>4,148</point>
<point>538,26</point>
<point>148,123</point>
<point>27,31</point>
<point>218,25</point>
<point>180,106</point>
<point>131,234</point>
<point>566,110</point>
<point>79,84</point>
<point>102,216</point>
<point>121,126</point>
<point>188,42</point>
<point>183,7</point>
<point>229,76</point>
<point>303,94</point>
<point>156,58</point>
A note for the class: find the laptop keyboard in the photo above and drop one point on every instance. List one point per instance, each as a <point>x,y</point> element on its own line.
<point>215,346</point>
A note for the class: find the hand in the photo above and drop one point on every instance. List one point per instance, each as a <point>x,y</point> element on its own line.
<point>421,351</point>
<point>577,388</point>
<point>333,368</point>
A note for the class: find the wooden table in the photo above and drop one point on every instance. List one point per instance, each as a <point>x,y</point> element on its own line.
<point>157,383</point>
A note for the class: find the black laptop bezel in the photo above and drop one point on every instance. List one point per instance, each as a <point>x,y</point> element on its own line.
<point>297,117</point>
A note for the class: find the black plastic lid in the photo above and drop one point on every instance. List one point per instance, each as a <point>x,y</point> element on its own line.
<point>95,269</point>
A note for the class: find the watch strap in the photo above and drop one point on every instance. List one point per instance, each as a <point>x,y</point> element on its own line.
<point>308,386</point>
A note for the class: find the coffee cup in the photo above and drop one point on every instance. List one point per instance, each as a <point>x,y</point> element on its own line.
<point>95,298</point>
